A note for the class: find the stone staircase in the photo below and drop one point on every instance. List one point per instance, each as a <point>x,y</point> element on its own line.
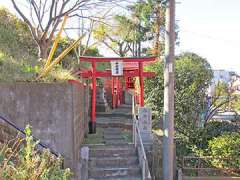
<point>114,160</point>
<point>117,118</point>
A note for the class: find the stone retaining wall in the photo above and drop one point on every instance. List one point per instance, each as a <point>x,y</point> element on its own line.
<point>57,112</point>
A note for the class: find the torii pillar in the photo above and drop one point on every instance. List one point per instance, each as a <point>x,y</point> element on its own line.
<point>92,123</point>
<point>140,65</point>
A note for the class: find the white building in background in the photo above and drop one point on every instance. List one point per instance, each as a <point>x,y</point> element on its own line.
<point>228,77</point>
<point>222,76</point>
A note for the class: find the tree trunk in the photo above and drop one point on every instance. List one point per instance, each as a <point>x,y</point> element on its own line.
<point>43,49</point>
<point>121,53</point>
<point>158,22</point>
<point>139,49</point>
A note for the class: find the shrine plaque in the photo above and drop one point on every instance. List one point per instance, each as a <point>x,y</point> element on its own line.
<point>145,123</point>
<point>117,68</point>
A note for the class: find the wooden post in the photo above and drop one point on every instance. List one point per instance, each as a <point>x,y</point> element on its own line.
<point>140,64</point>
<point>92,123</point>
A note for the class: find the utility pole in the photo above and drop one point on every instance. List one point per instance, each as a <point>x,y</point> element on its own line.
<point>168,111</point>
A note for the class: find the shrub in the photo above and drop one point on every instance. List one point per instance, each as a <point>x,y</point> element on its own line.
<point>225,150</point>
<point>198,143</point>
<point>213,129</point>
<point>20,159</point>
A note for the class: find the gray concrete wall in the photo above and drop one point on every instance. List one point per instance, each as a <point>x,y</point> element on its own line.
<point>57,113</point>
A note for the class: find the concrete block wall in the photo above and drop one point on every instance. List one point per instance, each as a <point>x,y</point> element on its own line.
<point>57,112</point>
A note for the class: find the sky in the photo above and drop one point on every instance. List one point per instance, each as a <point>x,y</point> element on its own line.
<point>209,28</point>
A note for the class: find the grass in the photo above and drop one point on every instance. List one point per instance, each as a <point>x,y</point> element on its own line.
<point>12,70</point>
<point>127,135</point>
<point>95,138</point>
<point>98,137</point>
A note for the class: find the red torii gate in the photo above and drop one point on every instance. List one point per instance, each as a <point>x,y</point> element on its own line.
<point>132,71</point>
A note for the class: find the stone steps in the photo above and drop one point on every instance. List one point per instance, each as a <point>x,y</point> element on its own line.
<point>105,146</point>
<point>113,162</point>
<point>110,152</point>
<point>112,131</point>
<point>113,136</point>
<point>113,172</point>
<point>114,115</point>
<point>115,142</point>
<point>116,159</point>
<point>118,178</point>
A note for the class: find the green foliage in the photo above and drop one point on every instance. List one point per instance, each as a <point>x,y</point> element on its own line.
<point>147,12</point>
<point>222,100</point>
<point>212,130</point>
<point>20,160</point>
<point>59,74</point>
<point>118,37</point>
<point>237,105</point>
<point>18,53</point>
<point>18,60</point>
<point>12,70</point>
<point>198,143</point>
<point>71,61</point>
<point>126,29</point>
<point>223,96</point>
<point>127,33</point>
<point>15,37</point>
<point>193,76</point>
<point>225,150</point>
<point>150,17</point>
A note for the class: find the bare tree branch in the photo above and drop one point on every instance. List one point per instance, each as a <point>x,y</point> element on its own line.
<point>32,30</point>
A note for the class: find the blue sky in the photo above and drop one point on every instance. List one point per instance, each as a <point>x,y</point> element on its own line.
<point>210,28</point>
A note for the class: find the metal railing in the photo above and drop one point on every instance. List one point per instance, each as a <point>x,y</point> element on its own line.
<point>137,140</point>
<point>34,138</point>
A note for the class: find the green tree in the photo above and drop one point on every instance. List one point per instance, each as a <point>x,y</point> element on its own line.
<point>193,76</point>
<point>127,33</point>
<point>118,37</point>
<point>149,15</point>
<point>237,105</point>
